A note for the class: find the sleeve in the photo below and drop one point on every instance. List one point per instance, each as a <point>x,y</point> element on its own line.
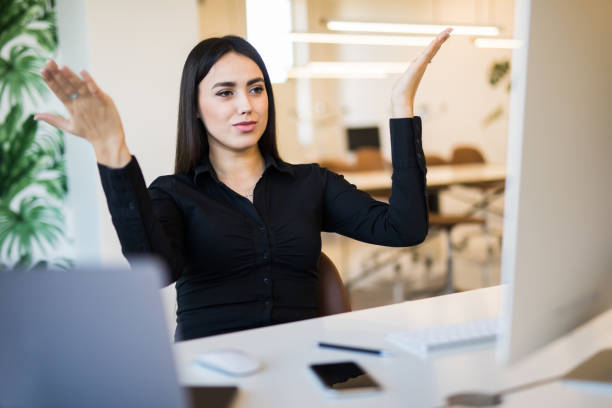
<point>147,221</point>
<point>404,220</point>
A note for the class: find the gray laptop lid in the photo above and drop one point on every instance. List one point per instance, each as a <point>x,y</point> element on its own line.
<point>85,338</point>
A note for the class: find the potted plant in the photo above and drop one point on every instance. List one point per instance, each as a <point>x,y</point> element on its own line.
<point>33,181</point>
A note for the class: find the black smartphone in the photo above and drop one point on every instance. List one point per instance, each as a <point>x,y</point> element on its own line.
<point>344,378</point>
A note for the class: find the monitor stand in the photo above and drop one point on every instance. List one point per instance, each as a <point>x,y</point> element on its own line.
<point>596,370</point>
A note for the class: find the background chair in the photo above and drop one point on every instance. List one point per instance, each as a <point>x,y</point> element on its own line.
<point>445,223</point>
<point>369,158</point>
<point>487,193</point>
<point>466,154</point>
<point>366,159</point>
<point>333,297</point>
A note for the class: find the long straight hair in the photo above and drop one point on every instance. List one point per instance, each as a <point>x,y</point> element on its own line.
<point>191,140</point>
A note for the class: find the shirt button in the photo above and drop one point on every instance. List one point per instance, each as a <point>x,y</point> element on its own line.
<point>262,228</point>
<point>132,205</point>
<point>265,255</point>
<point>268,302</point>
<point>267,281</point>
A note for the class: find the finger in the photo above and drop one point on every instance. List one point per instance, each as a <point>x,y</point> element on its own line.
<point>77,83</point>
<point>54,120</point>
<point>91,84</point>
<point>51,66</point>
<point>55,86</point>
<point>436,43</point>
<point>63,83</point>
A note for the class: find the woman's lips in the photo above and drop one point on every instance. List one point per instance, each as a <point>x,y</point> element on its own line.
<point>245,126</point>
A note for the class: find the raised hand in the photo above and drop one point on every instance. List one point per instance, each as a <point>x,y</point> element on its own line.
<point>404,90</point>
<point>93,115</point>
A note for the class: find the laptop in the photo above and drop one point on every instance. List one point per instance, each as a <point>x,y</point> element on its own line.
<point>91,337</point>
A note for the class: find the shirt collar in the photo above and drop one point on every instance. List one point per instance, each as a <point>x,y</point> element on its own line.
<point>206,167</point>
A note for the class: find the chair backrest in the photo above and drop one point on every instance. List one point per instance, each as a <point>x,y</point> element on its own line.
<point>434,160</point>
<point>467,154</point>
<point>336,165</point>
<point>333,297</point>
<point>369,158</point>
<point>366,159</point>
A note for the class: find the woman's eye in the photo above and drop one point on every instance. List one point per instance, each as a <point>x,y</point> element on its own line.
<point>257,90</point>
<point>224,93</point>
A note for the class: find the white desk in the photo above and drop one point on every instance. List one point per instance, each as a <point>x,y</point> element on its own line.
<point>437,176</point>
<point>408,381</point>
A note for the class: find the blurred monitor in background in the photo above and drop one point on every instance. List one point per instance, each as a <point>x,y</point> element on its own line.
<point>363,137</point>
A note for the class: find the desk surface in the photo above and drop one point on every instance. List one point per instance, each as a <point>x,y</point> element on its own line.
<point>437,176</point>
<point>288,349</point>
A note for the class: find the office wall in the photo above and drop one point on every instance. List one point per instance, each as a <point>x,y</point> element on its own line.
<point>455,97</point>
<point>135,50</point>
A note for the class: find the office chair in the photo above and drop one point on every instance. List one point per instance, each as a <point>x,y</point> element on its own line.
<point>333,297</point>
<point>472,155</point>
<point>444,223</point>
<point>465,154</point>
<point>366,159</point>
<point>369,158</point>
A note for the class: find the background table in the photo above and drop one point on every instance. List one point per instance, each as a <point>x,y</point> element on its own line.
<point>378,182</point>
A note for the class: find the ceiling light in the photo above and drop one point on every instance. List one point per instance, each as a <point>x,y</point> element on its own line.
<point>329,69</point>
<point>334,25</point>
<point>497,43</point>
<point>360,39</point>
<point>271,39</point>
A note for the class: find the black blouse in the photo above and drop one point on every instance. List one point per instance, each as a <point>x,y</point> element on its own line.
<point>240,265</point>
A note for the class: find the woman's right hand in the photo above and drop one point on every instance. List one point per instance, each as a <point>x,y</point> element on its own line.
<point>93,115</point>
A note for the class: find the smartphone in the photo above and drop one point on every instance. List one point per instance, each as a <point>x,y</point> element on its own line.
<point>344,378</point>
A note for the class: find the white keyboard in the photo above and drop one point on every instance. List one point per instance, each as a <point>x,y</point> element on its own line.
<point>423,341</point>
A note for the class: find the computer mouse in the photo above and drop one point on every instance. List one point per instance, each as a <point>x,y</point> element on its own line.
<point>229,361</point>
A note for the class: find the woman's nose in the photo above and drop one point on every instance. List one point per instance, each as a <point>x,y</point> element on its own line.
<point>244,104</point>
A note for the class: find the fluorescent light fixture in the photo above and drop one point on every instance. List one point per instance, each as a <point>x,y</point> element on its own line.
<point>271,40</point>
<point>335,25</point>
<point>329,69</point>
<point>360,39</point>
<point>497,43</point>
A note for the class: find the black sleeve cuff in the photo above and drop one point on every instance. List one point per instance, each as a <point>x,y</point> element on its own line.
<point>406,145</point>
<point>121,185</point>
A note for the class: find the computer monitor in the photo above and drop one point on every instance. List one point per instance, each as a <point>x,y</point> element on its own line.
<point>359,137</point>
<point>557,246</point>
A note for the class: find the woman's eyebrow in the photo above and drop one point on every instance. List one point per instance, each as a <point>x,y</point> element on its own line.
<point>254,80</point>
<point>232,84</point>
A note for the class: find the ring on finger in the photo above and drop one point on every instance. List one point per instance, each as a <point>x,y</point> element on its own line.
<point>74,95</point>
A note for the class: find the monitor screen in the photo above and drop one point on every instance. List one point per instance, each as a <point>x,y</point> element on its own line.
<point>362,137</point>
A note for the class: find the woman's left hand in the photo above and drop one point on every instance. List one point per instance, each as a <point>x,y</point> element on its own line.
<point>404,90</point>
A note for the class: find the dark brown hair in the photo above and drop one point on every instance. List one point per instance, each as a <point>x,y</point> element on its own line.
<point>191,140</point>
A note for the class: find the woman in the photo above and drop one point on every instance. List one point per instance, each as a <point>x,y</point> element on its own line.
<point>238,227</point>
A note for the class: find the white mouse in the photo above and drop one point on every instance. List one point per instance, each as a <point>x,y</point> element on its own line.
<point>230,362</point>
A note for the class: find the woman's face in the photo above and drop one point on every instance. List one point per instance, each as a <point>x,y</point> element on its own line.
<point>233,103</point>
